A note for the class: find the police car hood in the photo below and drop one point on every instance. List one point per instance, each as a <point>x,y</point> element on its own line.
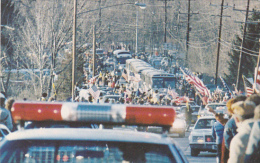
<point>88,134</point>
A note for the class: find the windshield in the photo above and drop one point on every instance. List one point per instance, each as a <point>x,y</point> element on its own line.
<point>169,82</point>
<point>163,82</point>
<point>83,151</point>
<point>157,83</point>
<point>122,60</point>
<point>204,123</point>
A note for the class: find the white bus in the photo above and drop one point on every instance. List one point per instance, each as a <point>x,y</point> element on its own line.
<point>158,80</point>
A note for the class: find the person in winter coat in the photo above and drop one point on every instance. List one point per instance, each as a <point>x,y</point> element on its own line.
<point>230,128</point>
<point>253,146</point>
<point>5,115</point>
<point>243,115</point>
<point>217,132</point>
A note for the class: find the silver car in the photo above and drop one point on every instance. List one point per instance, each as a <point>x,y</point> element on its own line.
<point>200,138</point>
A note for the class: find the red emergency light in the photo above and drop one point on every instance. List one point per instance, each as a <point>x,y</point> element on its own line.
<point>36,111</point>
<point>94,113</point>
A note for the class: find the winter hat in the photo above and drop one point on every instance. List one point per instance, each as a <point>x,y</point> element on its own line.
<point>244,108</point>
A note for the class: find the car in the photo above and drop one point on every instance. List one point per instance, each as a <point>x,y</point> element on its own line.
<point>4,131</point>
<point>217,107</point>
<point>90,145</point>
<point>110,99</point>
<point>195,111</point>
<point>179,126</point>
<point>200,138</point>
<point>109,62</point>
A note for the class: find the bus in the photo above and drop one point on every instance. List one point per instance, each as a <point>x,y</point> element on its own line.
<point>158,80</point>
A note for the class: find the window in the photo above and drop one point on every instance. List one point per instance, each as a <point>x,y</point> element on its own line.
<point>84,151</point>
<point>204,123</point>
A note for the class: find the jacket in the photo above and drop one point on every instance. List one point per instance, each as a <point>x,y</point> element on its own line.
<point>230,131</point>
<point>239,142</point>
<point>5,118</point>
<point>217,132</point>
<point>253,146</point>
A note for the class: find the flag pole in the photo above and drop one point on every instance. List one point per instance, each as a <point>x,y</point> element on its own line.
<point>243,77</point>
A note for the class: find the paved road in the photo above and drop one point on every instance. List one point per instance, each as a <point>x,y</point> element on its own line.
<point>183,143</point>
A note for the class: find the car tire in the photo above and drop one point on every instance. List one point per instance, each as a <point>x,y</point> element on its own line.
<point>194,152</point>
<point>182,135</point>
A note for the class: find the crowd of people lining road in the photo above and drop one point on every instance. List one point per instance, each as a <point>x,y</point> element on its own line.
<point>237,139</point>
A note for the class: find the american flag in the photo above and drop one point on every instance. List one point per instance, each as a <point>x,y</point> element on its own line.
<point>248,86</point>
<point>93,80</point>
<point>94,92</point>
<point>172,93</point>
<point>226,86</point>
<point>194,80</point>
<point>257,79</point>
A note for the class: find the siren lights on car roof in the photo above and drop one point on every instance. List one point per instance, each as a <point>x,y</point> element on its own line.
<point>94,113</point>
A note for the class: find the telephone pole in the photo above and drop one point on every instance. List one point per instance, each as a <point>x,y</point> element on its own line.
<point>188,32</point>
<point>241,56</point>
<point>219,39</point>
<point>74,50</point>
<point>94,50</point>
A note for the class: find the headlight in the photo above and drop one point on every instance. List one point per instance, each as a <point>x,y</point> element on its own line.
<point>198,139</point>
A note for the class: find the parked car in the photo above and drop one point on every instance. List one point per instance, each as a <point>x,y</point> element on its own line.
<point>200,138</point>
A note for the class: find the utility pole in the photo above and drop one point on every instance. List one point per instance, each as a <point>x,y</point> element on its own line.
<point>188,32</point>
<point>219,39</point>
<point>94,50</point>
<point>241,57</point>
<point>99,2</point>
<point>74,50</point>
<point>165,25</point>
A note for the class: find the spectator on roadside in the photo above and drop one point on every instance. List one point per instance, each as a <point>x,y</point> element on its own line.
<point>5,115</point>
<point>217,132</point>
<point>230,128</point>
<point>243,115</point>
<point>8,106</point>
<point>44,97</point>
<point>253,146</point>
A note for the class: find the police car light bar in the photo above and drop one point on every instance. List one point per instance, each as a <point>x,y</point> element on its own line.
<point>94,113</point>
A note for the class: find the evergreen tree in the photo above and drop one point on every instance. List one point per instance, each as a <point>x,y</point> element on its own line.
<point>251,46</point>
